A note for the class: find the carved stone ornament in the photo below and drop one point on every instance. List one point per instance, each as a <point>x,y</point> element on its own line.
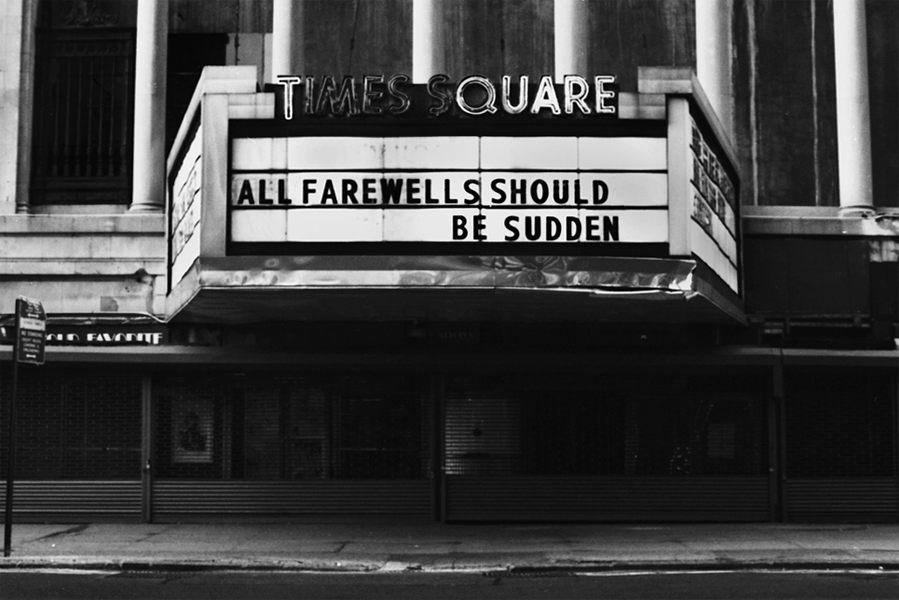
<point>89,13</point>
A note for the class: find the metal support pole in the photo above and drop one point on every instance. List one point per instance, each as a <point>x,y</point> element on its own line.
<point>780,404</point>
<point>146,479</point>
<point>11,453</point>
<point>440,466</point>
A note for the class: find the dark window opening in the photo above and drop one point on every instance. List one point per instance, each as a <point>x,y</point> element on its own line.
<point>840,423</point>
<point>188,53</point>
<point>283,427</point>
<point>83,114</point>
<point>679,428</point>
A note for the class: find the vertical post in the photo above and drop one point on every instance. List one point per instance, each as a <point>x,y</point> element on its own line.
<point>146,480</point>
<point>780,399</point>
<point>11,448</point>
<point>287,38</point>
<point>713,56</point>
<point>148,192</point>
<point>428,57</point>
<point>775,401</point>
<point>853,108</point>
<point>570,31</point>
<point>440,445</point>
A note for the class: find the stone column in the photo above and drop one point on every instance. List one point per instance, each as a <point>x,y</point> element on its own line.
<point>428,57</point>
<point>853,109</point>
<point>18,149</point>
<point>571,37</point>
<point>148,179</point>
<point>714,55</point>
<point>287,38</point>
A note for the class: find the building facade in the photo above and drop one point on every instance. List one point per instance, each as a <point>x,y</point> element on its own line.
<point>491,260</point>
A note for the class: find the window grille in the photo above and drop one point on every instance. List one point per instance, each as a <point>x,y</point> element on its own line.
<point>83,113</point>
<point>840,422</point>
<point>74,425</point>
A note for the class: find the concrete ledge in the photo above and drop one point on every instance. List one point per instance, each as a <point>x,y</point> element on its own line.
<point>107,267</point>
<point>818,221</point>
<point>152,224</point>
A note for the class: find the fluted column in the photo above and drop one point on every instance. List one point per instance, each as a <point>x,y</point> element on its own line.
<point>148,194</point>
<point>428,56</point>
<point>287,38</point>
<point>570,37</point>
<point>853,108</point>
<point>714,56</point>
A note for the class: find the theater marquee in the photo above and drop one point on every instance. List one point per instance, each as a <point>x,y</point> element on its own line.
<point>300,200</point>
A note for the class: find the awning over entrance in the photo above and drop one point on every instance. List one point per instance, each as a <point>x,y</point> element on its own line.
<point>501,288</point>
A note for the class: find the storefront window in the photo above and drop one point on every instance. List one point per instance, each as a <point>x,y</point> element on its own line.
<point>73,425</point>
<point>282,427</point>
<point>840,422</point>
<point>587,427</point>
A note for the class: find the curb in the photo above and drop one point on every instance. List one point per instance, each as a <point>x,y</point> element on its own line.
<point>490,570</point>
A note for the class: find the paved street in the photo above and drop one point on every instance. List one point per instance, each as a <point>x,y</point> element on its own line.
<point>567,585</point>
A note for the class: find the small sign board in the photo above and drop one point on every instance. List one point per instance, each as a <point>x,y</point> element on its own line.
<point>31,325</point>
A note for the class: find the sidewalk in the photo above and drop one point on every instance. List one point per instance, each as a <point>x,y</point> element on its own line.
<point>404,546</point>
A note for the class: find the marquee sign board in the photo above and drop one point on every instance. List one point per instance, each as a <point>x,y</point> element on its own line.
<point>458,173</point>
<point>714,220</point>
<point>186,201</point>
<point>448,189</point>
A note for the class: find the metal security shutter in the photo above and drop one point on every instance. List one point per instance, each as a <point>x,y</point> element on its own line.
<point>509,498</point>
<point>580,451</point>
<point>846,500</point>
<point>78,435</point>
<point>410,498</point>
<point>40,500</point>
<point>841,445</point>
<point>277,444</point>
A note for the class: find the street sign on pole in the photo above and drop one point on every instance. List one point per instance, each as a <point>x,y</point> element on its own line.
<point>31,328</point>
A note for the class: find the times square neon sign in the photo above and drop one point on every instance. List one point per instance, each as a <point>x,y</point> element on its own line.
<point>474,95</point>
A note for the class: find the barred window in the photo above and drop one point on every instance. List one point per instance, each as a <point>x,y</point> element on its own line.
<point>83,102</point>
